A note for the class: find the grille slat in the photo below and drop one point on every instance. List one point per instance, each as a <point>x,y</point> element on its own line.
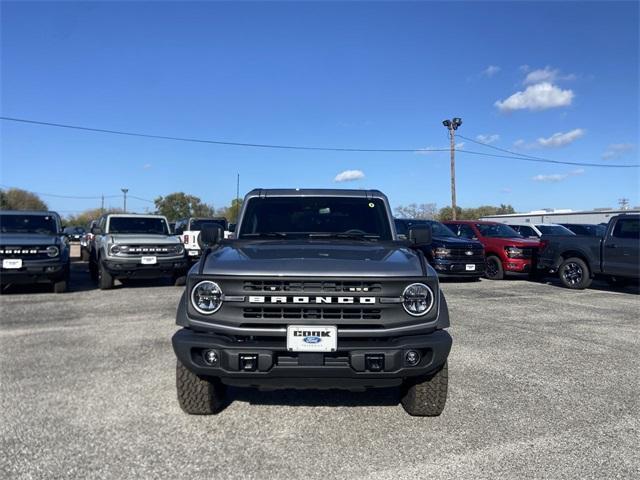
<point>312,313</point>
<point>30,252</point>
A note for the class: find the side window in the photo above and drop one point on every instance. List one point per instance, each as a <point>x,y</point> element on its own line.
<point>516,228</point>
<point>526,231</point>
<point>401,228</point>
<point>627,228</point>
<point>466,231</point>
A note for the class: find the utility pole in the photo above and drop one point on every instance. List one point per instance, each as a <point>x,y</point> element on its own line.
<point>452,126</point>
<point>102,205</point>
<point>125,190</point>
<point>624,203</point>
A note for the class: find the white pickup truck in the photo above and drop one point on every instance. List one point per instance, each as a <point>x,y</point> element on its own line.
<point>189,231</point>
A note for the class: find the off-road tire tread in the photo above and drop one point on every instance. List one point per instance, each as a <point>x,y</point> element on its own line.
<point>198,396</point>
<point>105,280</point>
<point>500,274</point>
<point>586,279</point>
<point>427,396</point>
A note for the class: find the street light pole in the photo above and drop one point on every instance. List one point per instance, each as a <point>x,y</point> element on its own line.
<point>125,190</point>
<point>452,126</point>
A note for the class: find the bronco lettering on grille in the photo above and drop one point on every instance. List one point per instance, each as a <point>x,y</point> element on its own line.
<point>317,300</point>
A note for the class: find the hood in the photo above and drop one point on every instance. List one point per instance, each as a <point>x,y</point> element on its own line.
<point>456,242</point>
<point>24,239</point>
<point>143,239</point>
<point>517,242</point>
<point>314,258</point>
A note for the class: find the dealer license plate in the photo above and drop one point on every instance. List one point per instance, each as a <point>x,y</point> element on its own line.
<point>312,338</point>
<point>470,267</point>
<point>149,260</point>
<point>12,263</point>
<point>193,253</point>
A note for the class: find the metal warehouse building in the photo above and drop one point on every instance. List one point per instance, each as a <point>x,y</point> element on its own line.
<point>562,216</point>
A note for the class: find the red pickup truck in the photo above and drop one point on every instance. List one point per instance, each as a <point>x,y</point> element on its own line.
<point>507,251</point>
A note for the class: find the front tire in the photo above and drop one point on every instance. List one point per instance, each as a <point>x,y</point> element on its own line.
<point>574,273</point>
<point>494,270</point>
<point>105,280</point>
<point>196,395</point>
<point>426,396</point>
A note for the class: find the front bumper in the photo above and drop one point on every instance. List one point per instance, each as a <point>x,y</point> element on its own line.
<point>35,271</point>
<point>132,268</point>
<point>517,265</point>
<point>346,368</point>
<point>454,268</point>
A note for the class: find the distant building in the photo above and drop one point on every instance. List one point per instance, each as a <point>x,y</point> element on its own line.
<point>549,215</point>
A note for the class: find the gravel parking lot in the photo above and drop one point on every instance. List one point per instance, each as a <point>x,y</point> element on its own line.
<point>543,384</point>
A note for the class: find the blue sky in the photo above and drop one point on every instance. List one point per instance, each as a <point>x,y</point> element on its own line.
<point>371,75</point>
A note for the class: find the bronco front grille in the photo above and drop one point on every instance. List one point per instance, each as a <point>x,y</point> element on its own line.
<point>30,252</point>
<point>311,286</point>
<point>137,250</point>
<point>323,313</point>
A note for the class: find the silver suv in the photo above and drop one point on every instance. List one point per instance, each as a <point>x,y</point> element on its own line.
<point>128,246</point>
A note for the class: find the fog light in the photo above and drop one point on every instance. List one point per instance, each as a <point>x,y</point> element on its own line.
<point>210,357</point>
<point>412,358</point>
<point>248,362</point>
<point>374,363</point>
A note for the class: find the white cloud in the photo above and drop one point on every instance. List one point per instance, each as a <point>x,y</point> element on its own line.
<point>546,74</point>
<point>557,177</point>
<point>430,150</point>
<point>349,176</point>
<point>459,146</point>
<point>560,139</point>
<point>524,68</point>
<point>616,150</point>
<point>505,190</point>
<point>537,97</point>
<point>146,166</point>
<point>520,143</point>
<point>490,71</point>
<point>489,138</point>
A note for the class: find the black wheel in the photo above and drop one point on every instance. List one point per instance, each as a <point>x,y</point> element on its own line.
<point>105,280</point>
<point>426,396</point>
<point>196,395</point>
<point>60,287</point>
<point>574,273</point>
<point>494,270</point>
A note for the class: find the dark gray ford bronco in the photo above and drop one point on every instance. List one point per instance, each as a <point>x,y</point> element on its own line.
<point>314,291</point>
<point>33,249</point>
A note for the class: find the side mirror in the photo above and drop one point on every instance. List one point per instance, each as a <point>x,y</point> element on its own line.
<point>210,236</point>
<point>96,231</point>
<point>420,235</point>
<point>232,227</point>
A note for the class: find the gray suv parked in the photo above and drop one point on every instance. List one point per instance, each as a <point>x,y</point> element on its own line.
<point>33,249</point>
<point>134,246</point>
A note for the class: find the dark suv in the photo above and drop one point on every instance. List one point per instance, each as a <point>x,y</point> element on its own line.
<point>449,255</point>
<point>316,291</point>
<point>33,249</point>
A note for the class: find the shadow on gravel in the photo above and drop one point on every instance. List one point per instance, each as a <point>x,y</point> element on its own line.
<point>376,397</point>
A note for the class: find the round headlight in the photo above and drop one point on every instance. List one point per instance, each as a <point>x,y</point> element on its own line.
<point>417,299</point>
<point>53,251</point>
<point>115,249</point>
<point>206,297</point>
<point>179,249</point>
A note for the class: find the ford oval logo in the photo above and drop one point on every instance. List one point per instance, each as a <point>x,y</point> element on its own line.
<point>469,252</point>
<point>312,339</point>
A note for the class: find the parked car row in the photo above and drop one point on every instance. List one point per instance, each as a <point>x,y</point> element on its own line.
<point>34,248</point>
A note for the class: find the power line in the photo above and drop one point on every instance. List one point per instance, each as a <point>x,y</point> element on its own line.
<point>219,142</point>
<point>523,156</point>
<point>75,197</point>
<point>513,155</point>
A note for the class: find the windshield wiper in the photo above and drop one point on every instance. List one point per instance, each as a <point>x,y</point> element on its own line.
<point>264,235</point>
<point>350,236</point>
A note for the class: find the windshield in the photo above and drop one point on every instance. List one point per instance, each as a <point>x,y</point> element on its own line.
<point>438,229</point>
<point>554,230</point>
<point>45,224</point>
<point>306,216</point>
<point>497,230</point>
<point>149,225</point>
<point>197,225</point>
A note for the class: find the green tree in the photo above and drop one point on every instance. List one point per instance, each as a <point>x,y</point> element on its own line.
<point>180,205</point>
<point>446,213</point>
<point>232,212</point>
<point>17,199</point>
